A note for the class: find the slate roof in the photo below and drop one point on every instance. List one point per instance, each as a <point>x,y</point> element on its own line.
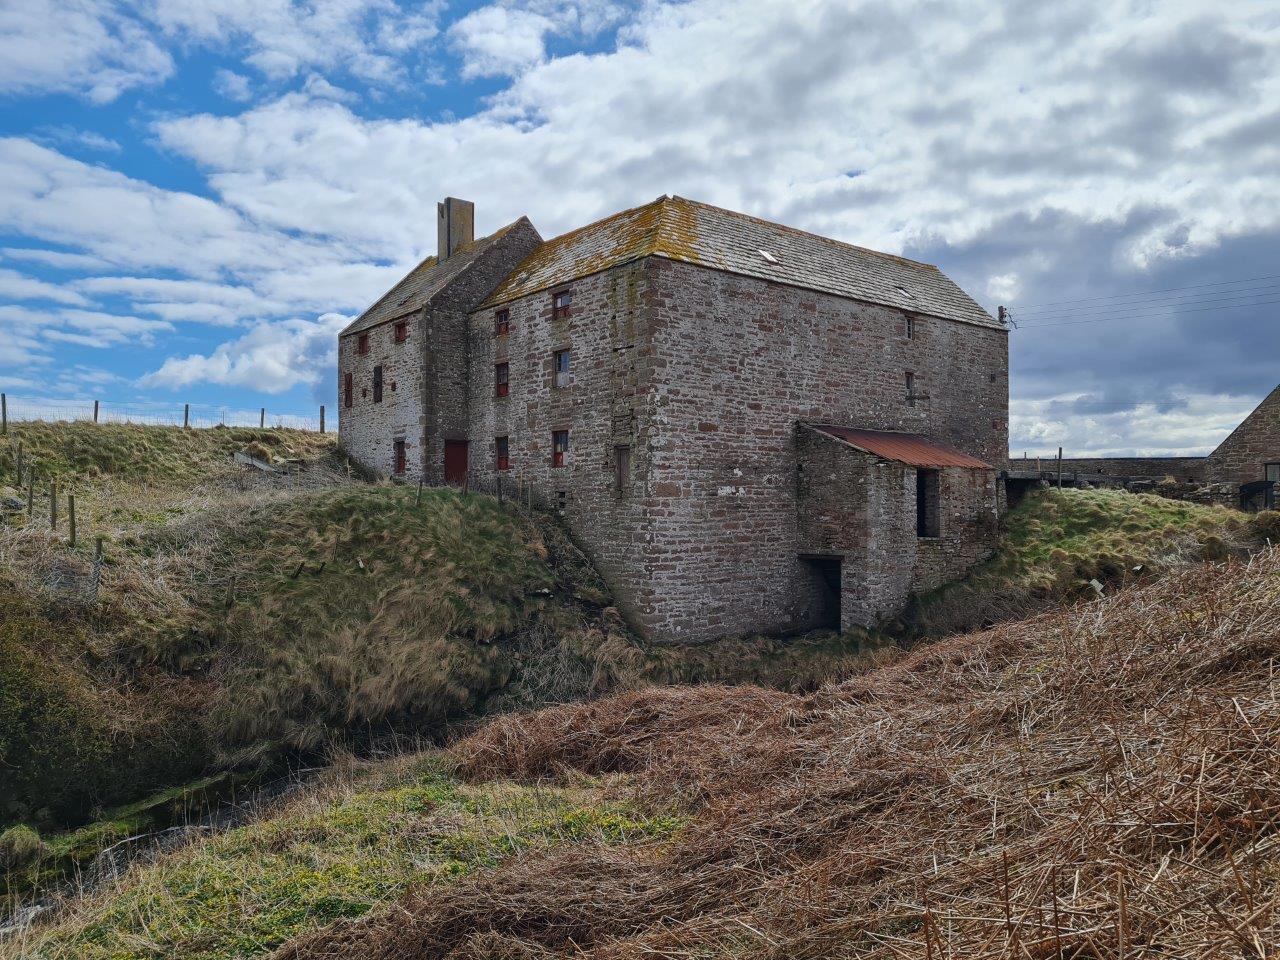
<point>910,448</point>
<point>423,282</point>
<point>698,233</point>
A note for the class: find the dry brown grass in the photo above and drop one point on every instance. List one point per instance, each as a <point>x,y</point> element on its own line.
<point>1100,782</point>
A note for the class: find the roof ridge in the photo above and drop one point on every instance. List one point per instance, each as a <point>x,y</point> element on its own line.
<point>806,233</point>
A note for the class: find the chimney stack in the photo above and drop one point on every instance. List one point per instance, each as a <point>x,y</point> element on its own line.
<point>455,226</point>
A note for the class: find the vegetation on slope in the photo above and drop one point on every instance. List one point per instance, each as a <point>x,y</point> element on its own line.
<point>363,838</point>
<point>1100,781</point>
<point>1063,545</point>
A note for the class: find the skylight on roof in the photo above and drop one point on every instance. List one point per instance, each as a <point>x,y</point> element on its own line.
<point>905,292</point>
<point>768,256</point>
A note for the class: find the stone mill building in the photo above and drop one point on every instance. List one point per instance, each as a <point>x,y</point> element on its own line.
<point>748,427</point>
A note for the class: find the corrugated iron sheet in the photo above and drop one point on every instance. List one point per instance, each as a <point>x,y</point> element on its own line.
<point>910,448</point>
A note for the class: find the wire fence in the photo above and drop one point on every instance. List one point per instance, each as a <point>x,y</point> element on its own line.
<point>15,409</point>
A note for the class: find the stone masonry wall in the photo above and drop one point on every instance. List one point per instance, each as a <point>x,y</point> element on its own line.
<point>368,430</point>
<point>1155,468</point>
<point>425,379</point>
<point>737,363</point>
<point>606,403</point>
<point>1243,456</point>
<point>863,509</point>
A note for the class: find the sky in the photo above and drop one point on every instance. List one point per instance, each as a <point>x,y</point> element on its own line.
<point>196,195</point>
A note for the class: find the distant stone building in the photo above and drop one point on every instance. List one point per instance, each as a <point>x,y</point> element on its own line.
<point>1244,469</point>
<point>749,427</point>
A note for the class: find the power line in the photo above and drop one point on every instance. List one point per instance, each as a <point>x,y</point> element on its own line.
<point>1194,286</point>
<point>1215,296</point>
<point>1067,323</point>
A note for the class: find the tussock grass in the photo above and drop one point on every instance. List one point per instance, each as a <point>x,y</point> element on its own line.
<point>1095,782</point>
<point>1057,541</point>
<point>352,844</point>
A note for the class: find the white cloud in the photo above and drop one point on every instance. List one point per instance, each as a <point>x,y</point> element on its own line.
<point>16,286</point>
<point>59,259</point>
<point>272,357</point>
<point>83,46</point>
<point>503,39</point>
<point>232,85</point>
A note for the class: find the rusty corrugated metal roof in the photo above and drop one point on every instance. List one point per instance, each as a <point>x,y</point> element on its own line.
<point>910,448</point>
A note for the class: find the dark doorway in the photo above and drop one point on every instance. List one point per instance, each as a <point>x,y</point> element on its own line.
<point>928,495</point>
<point>824,587</point>
<point>402,458</point>
<point>455,462</point>
<point>1258,495</point>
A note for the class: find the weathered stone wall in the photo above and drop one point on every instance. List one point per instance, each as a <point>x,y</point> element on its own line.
<point>738,362</point>
<point>1155,468</point>
<point>425,379</point>
<point>863,509</point>
<point>1242,457</point>
<point>368,430</point>
<point>607,403</point>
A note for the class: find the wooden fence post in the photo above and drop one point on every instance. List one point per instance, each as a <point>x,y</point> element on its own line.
<point>4,413</point>
<point>95,411</point>
<point>186,416</point>
<point>322,418</point>
<point>53,504</point>
<point>1059,468</point>
<point>18,464</point>
<point>31,491</point>
<point>418,501</point>
<point>262,418</point>
<point>71,517</point>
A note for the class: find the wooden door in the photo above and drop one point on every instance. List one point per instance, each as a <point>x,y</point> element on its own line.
<point>455,462</point>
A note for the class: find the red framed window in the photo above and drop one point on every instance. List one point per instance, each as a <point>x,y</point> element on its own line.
<point>560,369</point>
<point>362,344</point>
<point>402,459</point>
<point>401,331</point>
<point>377,384</point>
<point>348,390</point>
<point>501,323</point>
<point>559,447</point>
<point>560,304</point>
<point>501,386</point>
<point>501,453</point>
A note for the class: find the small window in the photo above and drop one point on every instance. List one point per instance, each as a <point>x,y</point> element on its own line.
<point>928,502</point>
<point>402,460</point>
<point>560,368</point>
<point>500,384</point>
<point>502,323</point>
<point>911,389</point>
<point>560,303</point>
<point>559,447</point>
<point>911,327</point>
<point>501,453</point>
<point>1272,472</point>
<point>377,384</point>
<point>348,389</point>
<point>402,331</point>
<point>621,468</point>
<point>362,344</point>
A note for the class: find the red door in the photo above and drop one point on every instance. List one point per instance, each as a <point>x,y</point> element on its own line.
<point>455,461</point>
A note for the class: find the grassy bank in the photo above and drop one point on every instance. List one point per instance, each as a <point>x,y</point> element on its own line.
<point>355,842</point>
<point>1064,545</point>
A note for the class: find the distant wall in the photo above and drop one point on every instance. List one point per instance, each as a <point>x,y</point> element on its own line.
<point>1155,468</point>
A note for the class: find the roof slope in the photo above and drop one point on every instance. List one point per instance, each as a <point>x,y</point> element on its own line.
<point>698,233</point>
<point>424,281</point>
<point>910,448</point>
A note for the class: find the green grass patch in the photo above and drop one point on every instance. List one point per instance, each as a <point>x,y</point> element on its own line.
<point>337,853</point>
<point>1057,541</point>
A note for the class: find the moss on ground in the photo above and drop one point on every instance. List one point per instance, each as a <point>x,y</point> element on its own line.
<point>337,853</point>
<point>1056,543</point>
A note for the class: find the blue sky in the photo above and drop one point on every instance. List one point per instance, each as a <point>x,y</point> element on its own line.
<point>195,195</point>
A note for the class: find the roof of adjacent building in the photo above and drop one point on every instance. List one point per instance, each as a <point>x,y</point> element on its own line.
<point>912,449</point>
<point>692,232</point>
<point>423,282</point>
